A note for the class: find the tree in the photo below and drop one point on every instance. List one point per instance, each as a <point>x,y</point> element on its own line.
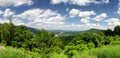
<point>46,39</point>
<point>6,31</point>
<point>108,32</point>
<point>117,30</point>
<point>22,37</point>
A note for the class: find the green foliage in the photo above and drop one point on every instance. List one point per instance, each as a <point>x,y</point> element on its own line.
<point>22,37</point>
<point>107,52</point>
<point>6,32</point>
<point>46,39</point>
<point>84,55</point>
<point>108,32</point>
<point>115,43</point>
<point>12,53</point>
<point>117,30</point>
<point>72,50</point>
<point>58,55</point>
<point>44,44</point>
<point>95,39</point>
<point>50,51</point>
<point>33,54</point>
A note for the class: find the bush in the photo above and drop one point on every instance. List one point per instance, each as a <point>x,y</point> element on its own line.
<point>12,53</point>
<point>58,55</point>
<point>33,55</point>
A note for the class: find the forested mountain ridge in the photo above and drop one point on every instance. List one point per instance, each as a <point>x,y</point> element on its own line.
<point>92,30</point>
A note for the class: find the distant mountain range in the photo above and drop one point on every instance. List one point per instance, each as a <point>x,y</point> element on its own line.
<point>93,30</point>
<point>64,32</point>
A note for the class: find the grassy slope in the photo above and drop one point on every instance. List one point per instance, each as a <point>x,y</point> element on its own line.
<point>110,51</point>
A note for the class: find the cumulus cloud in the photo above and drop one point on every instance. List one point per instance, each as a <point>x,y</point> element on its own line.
<point>113,21</point>
<point>80,2</point>
<point>58,1</point>
<point>84,16</point>
<point>93,25</point>
<point>42,18</point>
<point>52,21</point>
<point>33,17</point>
<point>8,13</point>
<point>85,20</point>
<point>87,2</point>
<point>4,20</point>
<point>48,13</point>
<point>31,14</point>
<point>118,11</point>
<point>17,21</point>
<point>86,13</point>
<point>6,3</point>
<point>74,12</point>
<point>100,17</point>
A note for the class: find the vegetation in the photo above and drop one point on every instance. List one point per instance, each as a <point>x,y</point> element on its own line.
<point>12,53</point>
<point>107,52</point>
<point>23,43</point>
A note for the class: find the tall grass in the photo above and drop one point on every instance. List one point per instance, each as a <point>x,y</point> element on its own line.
<point>111,51</point>
<point>12,53</point>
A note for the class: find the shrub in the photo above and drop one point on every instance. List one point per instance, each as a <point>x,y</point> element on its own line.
<point>58,55</point>
<point>12,53</point>
<point>33,55</point>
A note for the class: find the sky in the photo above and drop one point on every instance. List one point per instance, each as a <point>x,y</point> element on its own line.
<point>61,14</point>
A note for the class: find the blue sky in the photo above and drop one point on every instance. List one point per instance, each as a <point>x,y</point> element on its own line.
<point>62,14</point>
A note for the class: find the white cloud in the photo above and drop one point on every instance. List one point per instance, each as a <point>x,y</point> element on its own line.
<point>80,2</point>
<point>58,1</point>
<point>3,20</point>
<point>31,14</point>
<point>6,3</point>
<point>85,20</point>
<point>93,25</point>
<point>52,21</point>
<point>86,13</point>
<point>17,21</point>
<point>8,13</point>
<point>87,2</point>
<point>86,16</point>
<point>34,17</point>
<point>118,11</point>
<point>113,21</point>
<point>100,17</point>
<point>48,13</point>
<point>45,18</point>
<point>74,12</point>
